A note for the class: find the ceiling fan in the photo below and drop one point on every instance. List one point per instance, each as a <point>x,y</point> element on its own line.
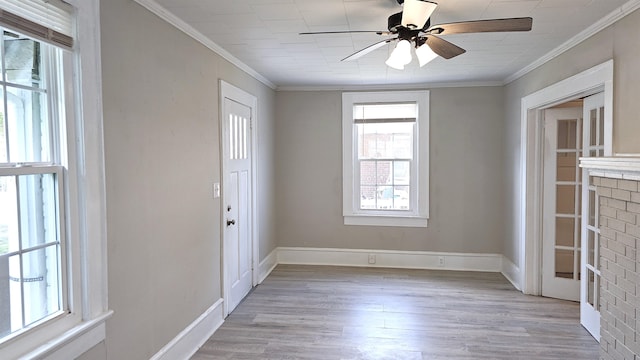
<point>412,27</point>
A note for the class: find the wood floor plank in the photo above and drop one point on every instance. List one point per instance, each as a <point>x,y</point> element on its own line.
<point>343,313</point>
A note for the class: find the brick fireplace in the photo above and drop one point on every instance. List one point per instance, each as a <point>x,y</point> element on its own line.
<point>618,188</point>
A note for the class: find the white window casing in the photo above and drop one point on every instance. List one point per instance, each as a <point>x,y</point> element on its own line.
<point>417,214</point>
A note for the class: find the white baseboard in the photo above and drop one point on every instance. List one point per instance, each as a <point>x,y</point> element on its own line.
<point>390,259</point>
<point>185,344</point>
<point>511,272</point>
<point>267,265</point>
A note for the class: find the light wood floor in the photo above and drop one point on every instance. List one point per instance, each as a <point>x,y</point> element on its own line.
<point>311,312</point>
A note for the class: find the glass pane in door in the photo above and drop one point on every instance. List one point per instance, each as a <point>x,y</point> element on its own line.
<point>565,263</point>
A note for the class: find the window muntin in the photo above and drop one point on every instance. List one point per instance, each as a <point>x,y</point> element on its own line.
<point>32,285</point>
<point>385,158</point>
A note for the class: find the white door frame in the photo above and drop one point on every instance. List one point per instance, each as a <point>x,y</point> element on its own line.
<point>234,93</point>
<point>596,79</point>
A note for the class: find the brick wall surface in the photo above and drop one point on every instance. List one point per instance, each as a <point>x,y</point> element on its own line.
<point>619,265</point>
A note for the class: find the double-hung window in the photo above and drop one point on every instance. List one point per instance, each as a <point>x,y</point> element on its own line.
<point>44,187</point>
<point>386,158</point>
<point>32,167</point>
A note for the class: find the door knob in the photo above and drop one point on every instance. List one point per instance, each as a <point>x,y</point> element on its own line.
<point>231,222</point>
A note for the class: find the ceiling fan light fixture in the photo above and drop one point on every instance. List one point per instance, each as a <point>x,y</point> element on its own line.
<point>400,56</point>
<point>416,13</point>
<point>425,55</point>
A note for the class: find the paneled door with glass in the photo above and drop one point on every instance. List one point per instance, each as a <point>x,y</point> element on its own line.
<point>593,147</point>
<point>561,204</point>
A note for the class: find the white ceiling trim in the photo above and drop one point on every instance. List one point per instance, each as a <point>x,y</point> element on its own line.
<point>392,87</point>
<point>606,21</point>
<point>167,16</point>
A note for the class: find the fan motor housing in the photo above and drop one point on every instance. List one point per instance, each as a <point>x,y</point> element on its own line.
<point>395,22</point>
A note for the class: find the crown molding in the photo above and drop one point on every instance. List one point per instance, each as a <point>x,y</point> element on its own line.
<point>178,23</point>
<point>390,87</point>
<point>617,14</point>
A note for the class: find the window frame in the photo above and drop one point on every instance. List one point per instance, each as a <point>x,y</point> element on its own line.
<point>82,325</point>
<point>419,197</point>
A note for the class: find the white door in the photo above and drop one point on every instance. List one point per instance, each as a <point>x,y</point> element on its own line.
<point>237,200</point>
<point>594,139</point>
<point>562,204</point>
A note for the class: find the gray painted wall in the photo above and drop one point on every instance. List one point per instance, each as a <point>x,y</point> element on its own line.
<point>620,42</point>
<point>162,156</point>
<point>466,208</point>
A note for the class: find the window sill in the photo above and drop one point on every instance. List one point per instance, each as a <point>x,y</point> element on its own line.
<point>395,221</point>
<point>70,344</point>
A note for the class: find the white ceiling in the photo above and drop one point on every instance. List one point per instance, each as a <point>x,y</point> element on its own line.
<point>263,34</point>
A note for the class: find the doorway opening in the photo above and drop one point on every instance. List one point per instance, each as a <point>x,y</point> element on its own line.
<point>590,82</point>
<point>238,214</point>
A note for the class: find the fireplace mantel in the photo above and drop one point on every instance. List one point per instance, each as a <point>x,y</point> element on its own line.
<point>618,188</point>
<point>627,168</point>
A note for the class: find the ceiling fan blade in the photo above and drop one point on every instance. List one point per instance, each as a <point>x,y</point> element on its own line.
<point>444,48</point>
<point>345,32</point>
<point>360,53</point>
<point>478,26</point>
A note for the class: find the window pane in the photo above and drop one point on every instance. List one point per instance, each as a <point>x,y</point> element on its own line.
<point>367,197</point>
<point>40,282</point>
<point>565,231</point>
<point>23,61</point>
<point>11,290</point>
<point>401,198</point>
<point>565,199</point>
<point>3,132</point>
<point>564,263</point>
<point>38,215</point>
<point>566,166</point>
<point>593,121</point>
<point>592,207</point>
<point>567,134</point>
<point>385,111</point>
<point>367,172</point>
<point>601,127</point>
<point>27,125</point>
<point>383,172</point>
<point>401,172</point>
<point>385,197</point>
<point>8,215</point>
<point>385,140</point>
<point>591,238</point>
<point>591,288</point>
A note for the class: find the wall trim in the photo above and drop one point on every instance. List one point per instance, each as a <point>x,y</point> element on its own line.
<point>381,87</point>
<point>267,265</point>
<point>511,272</point>
<point>189,340</point>
<point>179,24</point>
<point>610,19</point>
<point>390,259</point>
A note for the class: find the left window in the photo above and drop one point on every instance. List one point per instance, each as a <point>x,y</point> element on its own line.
<point>32,189</point>
<point>53,279</point>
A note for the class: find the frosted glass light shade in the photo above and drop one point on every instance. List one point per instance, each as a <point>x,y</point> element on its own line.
<point>425,55</point>
<point>416,13</point>
<point>400,56</point>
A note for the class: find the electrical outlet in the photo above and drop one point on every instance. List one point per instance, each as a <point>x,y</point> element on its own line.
<point>440,260</point>
<point>372,258</point>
